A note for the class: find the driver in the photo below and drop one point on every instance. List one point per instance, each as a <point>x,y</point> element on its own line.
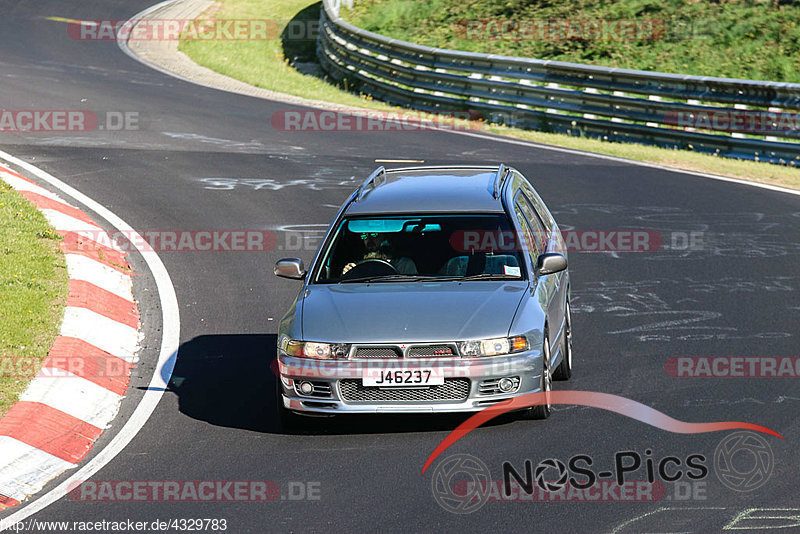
<point>377,246</point>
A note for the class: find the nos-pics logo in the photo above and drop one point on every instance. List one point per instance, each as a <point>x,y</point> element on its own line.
<point>743,461</point>
<point>462,471</point>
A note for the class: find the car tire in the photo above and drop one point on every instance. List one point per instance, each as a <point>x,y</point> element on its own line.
<point>564,369</point>
<point>542,411</point>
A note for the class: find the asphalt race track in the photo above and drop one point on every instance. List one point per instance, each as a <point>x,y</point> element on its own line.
<point>208,160</point>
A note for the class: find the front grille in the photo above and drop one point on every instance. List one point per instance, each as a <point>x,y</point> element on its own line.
<point>453,389</point>
<point>432,351</point>
<point>378,352</point>
<point>440,350</point>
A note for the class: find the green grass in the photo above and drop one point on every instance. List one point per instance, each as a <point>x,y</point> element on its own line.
<point>33,287</point>
<point>268,64</point>
<point>262,62</point>
<point>755,39</point>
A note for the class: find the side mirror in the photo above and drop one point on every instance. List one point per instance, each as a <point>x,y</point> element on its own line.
<point>550,262</point>
<point>290,268</point>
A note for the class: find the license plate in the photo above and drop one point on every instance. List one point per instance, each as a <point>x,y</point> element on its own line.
<point>398,378</point>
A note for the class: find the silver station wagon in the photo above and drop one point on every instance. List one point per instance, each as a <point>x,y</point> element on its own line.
<point>435,289</point>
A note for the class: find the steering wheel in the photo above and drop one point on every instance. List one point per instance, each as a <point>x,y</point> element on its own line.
<point>369,268</point>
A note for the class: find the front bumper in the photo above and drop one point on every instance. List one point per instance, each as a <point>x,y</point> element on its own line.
<point>338,388</point>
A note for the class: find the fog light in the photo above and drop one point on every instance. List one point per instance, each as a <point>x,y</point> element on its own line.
<point>505,385</point>
<point>305,388</point>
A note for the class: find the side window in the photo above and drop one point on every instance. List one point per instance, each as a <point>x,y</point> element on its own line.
<point>535,200</point>
<point>540,231</point>
<point>531,245</point>
<point>541,209</point>
<point>557,244</point>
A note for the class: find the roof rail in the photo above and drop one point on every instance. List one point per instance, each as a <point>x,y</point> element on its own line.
<point>443,168</point>
<point>372,180</point>
<point>497,181</point>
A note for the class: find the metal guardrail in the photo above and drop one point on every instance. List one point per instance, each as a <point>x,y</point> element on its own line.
<point>761,119</point>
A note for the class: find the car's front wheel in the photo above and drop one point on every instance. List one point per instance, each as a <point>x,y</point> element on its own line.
<point>542,411</point>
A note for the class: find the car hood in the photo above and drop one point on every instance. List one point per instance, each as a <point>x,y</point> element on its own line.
<point>409,312</point>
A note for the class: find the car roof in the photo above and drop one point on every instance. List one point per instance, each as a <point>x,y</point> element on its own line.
<point>450,189</point>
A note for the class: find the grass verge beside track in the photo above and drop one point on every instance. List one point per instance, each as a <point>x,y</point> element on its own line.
<point>750,39</point>
<point>281,65</point>
<point>33,288</point>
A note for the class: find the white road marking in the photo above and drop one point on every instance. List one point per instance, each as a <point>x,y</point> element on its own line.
<point>170,338</point>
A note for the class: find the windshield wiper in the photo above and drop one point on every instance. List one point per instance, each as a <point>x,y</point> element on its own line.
<point>491,276</point>
<point>389,278</point>
<point>436,278</point>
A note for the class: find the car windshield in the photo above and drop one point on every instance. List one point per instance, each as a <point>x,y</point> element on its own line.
<point>421,248</point>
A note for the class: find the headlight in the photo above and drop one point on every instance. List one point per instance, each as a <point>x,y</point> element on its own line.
<point>493,347</point>
<point>315,350</point>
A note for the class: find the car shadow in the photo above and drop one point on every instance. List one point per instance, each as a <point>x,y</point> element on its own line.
<point>226,380</point>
